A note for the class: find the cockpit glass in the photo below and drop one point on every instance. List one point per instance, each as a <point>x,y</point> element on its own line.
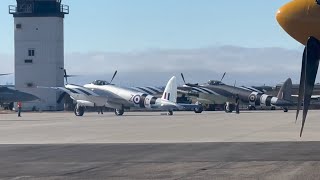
<point>318,2</point>
<point>214,82</point>
<point>100,82</point>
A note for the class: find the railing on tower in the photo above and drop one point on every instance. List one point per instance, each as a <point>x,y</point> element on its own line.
<point>12,9</point>
<point>29,8</point>
<point>64,9</point>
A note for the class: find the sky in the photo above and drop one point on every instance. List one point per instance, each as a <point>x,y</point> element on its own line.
<point>126,25</point>
<point>131,29</point>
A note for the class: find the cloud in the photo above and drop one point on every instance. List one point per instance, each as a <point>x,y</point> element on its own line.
<point>6,66</point>
<point>246,66</point>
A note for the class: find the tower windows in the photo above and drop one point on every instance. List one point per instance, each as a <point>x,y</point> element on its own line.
<point>30,84</point>
<point>28,61</point>
<point>18,26</point>
<point>31,52</point>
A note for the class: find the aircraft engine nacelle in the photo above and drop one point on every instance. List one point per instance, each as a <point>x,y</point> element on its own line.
<point>144,100</point>
<point>85,103</point>
<point>258,99</point>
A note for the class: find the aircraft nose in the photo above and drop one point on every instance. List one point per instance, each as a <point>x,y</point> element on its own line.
<point>290,16</point>
<point>281,17</point>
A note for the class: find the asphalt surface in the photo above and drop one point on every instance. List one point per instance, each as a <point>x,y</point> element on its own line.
<point>278,160</point>
<point>252,145</point>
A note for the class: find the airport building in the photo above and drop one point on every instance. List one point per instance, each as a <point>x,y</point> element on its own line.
<point>39,50</point>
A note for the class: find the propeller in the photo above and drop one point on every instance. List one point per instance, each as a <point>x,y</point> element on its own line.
<point>5,74</point>
<point>114,75</point>
<point>183,78</point>
<point>309,69</point>
<point>188,84</point>
<point>66,75</point>
<point>223,76</point>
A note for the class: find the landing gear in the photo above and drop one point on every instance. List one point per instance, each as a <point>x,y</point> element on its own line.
<point>251,108</point>
<point>285,109</point>
<point>170,113</point>
<point>273,108</point>
<point>119,112</point>
<point>198,109</point>
<point>228,107</point>
<point>11,105</point>
<point>208,107</point>
<point>79,110</point>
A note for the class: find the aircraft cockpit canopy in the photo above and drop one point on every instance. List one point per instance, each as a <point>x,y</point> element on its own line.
<point>318,2</point>
<point>215,82</point>
<point>100,82</point>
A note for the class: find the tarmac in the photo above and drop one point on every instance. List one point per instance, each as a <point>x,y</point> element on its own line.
<point>147,145</point>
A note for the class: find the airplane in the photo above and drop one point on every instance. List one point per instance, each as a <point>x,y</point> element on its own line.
<point>226,94</point>
<point>101,93</point>
<point>9,96</point>
<point>300,19</point>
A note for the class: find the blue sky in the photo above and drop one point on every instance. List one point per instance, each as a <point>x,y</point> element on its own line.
<point>137,25</point>
<point>202,38</point>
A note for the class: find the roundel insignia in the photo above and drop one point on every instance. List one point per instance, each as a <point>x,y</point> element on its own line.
<point>252,98</point>
<point>136,99</point>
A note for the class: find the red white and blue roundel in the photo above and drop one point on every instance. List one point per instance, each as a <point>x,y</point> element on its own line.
<point>252,98</point>
<point>136,99</point>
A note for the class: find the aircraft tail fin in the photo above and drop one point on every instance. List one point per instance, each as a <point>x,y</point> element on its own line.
<point>285,91</point>
<point>170,92</point>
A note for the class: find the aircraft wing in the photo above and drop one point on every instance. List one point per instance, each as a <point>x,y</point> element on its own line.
<point>150,90</point>
<point>253,89</point>
<point>63,89</point>
<point>314,97</point>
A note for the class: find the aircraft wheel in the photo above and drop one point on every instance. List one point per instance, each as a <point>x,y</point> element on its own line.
<point>273,108</point>
<point>227,108</point>
<point>285,109</point>
<point>198,109</point>
<point>170,113</point>
<point>11,105</point>
<point>252,108</point>
<point>119,112</point>
<point>79,110</point>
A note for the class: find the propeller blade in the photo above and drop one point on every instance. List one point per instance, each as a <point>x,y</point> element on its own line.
<point>301,85</point>
<point>310,70</point>
<point>183,78</point>
<point>62,95</point>
<point>235,82</point>
<point>65,75</point>
<point>71,76</point>
<point>223,76</point>
<point>114,75</point>
<point>5,74</point>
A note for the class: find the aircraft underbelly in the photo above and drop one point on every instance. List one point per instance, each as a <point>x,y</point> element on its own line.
<point>215,99</point>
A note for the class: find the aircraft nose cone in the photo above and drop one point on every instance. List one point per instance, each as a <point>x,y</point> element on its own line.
<point>280,16</point>
<point>290,17</point>
<point>300,19</point>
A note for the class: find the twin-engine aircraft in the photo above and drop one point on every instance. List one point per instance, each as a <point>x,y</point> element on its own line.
<point>9,96</point>
<point>301,20</point>
<point>226,94</point>
<point>101,93</point>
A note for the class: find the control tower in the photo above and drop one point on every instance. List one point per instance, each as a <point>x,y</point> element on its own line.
<point>39,50</point>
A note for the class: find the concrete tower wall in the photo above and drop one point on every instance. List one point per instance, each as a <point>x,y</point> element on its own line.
<point>39,57</point>
<point>39,50</point>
